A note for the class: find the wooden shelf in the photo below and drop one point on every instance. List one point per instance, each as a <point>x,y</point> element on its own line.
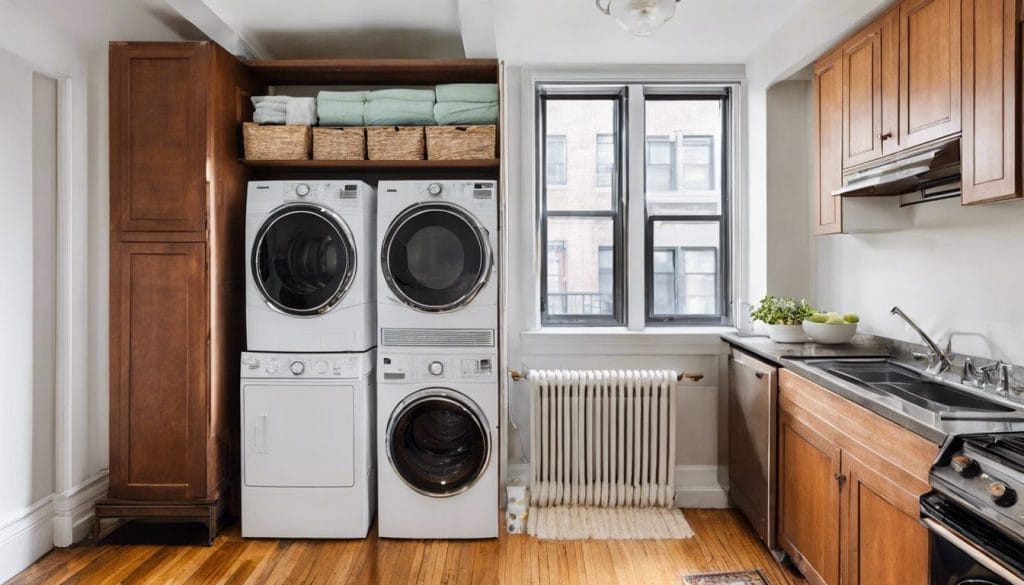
<point>374,71</point>
<point>375,165</point>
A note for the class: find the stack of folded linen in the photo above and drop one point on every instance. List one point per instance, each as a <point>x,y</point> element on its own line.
<point>282,109</point>
<point>341,108</point>
<point>399,107</point>
<point>466,103</point>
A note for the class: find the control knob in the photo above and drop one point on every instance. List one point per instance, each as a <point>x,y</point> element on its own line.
<point>967,468</point>
<point>436,368</point>
<point>272,366</point>
<point>435,189</point>
<point>302,189</point>
<point>298,367</point>
<point>1002,495</point>
<point>320,366</point>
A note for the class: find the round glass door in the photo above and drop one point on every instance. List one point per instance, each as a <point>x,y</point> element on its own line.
<point>438,443</point>
<point>303,259</point>
<point>436,257</point>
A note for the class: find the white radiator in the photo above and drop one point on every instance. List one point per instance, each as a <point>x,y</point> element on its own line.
<point>601,438</point>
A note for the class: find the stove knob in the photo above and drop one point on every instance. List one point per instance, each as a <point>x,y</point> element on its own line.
<point>298,367</point>
<point>436,368</point>
<point>1002,494</point>
<point>302,189</point>
<point>435,189</point>
<point>965,466</point>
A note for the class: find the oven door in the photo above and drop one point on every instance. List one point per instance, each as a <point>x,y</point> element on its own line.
<point>965,549</point>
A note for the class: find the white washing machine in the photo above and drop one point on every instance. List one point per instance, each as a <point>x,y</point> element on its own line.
<point>437,281</point>
<point>308,465</point>
<point>437,432</point>
<point>310,249</point>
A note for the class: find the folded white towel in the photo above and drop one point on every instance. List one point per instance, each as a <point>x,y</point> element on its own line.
<point>269,99</point>
<point>301,111</point>
<point>267,107</point>
<point>261,116</point>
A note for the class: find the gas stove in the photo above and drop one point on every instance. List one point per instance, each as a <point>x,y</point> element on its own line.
<point>977,508</point>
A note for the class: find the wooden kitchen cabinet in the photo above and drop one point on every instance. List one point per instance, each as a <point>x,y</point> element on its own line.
<point>870,107</point>
<point>930,57</point>
<point>849,483</point>
<point>177,209</point>
<point>828,137</point>
<point>990,149</point>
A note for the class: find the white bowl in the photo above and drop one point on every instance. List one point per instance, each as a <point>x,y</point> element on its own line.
<point>787,334</point>
<point>830,332</point>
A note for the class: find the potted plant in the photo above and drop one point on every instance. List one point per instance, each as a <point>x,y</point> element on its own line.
<point>784,318</point>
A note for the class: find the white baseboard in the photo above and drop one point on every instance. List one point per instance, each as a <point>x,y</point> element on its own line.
<point>27,536</point>
<point>696,485</point>
<point>73,510</point>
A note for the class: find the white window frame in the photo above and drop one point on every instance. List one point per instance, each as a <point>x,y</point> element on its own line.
<point>671,78</point>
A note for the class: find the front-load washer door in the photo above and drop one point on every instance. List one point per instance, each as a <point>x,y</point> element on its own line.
<point>436,257</point>
<point>298,436</point>
<point>303,259</point>
<point>438,442</point>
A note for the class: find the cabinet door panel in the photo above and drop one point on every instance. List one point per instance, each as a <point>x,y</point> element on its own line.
<point>809,465</point>
<point>871,92</point>
<point>158,389</point>
<point>991,120</point>
<point>828,133</point>
<point>158,125</point>
<point>929,70</point>
<point>880,521</point>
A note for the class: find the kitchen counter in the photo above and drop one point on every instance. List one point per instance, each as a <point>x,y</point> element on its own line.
<point>930,425</point>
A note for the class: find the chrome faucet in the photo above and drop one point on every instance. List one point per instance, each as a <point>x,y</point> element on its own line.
<point>938,360</point>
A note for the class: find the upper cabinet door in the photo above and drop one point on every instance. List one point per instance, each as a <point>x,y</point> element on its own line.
<point>991,119</point>
<point>929,70</point>
<point>871,92</point>
<point>158,126</point>
<point>828,137</point>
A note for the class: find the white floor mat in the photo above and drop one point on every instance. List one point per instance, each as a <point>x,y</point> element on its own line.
<point>580,523</point>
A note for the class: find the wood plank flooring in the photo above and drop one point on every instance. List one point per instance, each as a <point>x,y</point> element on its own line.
<point>723,542</point>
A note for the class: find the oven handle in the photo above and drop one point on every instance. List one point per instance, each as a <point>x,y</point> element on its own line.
<point>972,551</point>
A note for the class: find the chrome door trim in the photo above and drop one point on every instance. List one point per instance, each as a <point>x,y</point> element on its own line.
<point>348,240</point>
<point>971,550</point>
<point>482,237</point>
<point>457,399</point>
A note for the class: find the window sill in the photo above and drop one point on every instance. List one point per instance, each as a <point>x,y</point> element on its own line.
<point>659,340</point>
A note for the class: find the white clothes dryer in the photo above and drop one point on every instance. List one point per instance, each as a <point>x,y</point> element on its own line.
<point>310,266</point>
<point>437,247</point>
<point>308,463</point>
<point>437,436</point>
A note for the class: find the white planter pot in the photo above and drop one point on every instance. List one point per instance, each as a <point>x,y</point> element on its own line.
<point>787,333</point>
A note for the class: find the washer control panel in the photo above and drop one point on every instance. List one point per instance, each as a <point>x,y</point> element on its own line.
<point>426,368</point>
<point>307,365</point>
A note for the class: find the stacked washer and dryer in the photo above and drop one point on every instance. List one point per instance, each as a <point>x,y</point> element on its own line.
<point>437,383</point>
<point>307,388</point>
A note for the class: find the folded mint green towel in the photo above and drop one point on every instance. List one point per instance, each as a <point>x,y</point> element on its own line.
<point>455,113</point>
<point>482,93</point>
<point>339,113</point>
<point>409,95</point>
<point>342,96</point>
<point>398,113</point>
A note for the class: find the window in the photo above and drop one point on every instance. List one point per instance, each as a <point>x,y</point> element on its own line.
<point>661,163</point>
<point>605,160</point>
<point>680,222</point>
<point>698,163</point>
<point>555,161</point>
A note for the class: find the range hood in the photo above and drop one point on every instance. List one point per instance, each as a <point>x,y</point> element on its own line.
<point>928,173</point>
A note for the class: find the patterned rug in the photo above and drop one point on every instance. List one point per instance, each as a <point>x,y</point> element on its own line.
<point>738,578</point>
<point>581,523</point>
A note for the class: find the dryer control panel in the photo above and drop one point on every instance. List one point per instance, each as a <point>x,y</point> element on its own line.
<point>307,365</point>
<point>426,368</point>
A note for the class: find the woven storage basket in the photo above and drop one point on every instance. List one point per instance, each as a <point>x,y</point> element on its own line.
<point>395,143</point>
<point>339,143</point>
<point>460,142</point>
<point>290,142</point>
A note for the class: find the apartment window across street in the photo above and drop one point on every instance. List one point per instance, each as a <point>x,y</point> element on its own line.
<point>683,135</point>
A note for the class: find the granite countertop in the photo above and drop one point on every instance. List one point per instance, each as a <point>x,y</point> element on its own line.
<point>797,357</point>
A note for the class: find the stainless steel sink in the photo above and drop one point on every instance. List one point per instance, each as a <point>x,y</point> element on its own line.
<point>887,377</point>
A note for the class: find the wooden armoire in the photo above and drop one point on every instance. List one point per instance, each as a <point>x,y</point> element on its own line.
<point>177,204</point>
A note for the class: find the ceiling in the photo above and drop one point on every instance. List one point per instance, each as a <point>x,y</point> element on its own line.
<point>100,21</point>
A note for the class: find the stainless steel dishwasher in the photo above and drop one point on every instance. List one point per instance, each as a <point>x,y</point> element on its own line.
<point>753,402</point>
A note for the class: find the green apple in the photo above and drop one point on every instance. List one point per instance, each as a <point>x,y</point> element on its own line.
<point>833,319</point>
<point>851,318</point>
<point>818,318</point>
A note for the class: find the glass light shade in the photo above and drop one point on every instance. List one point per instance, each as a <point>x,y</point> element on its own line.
<point>642,17</point>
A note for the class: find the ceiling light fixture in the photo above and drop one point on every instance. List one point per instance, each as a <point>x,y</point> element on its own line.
<point>640,17</point>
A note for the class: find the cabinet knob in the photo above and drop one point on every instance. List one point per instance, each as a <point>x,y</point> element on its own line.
<point>841,478</point>
<point>885,136</point>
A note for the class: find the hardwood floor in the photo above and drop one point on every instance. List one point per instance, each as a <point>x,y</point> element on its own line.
<point>723,542</point>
